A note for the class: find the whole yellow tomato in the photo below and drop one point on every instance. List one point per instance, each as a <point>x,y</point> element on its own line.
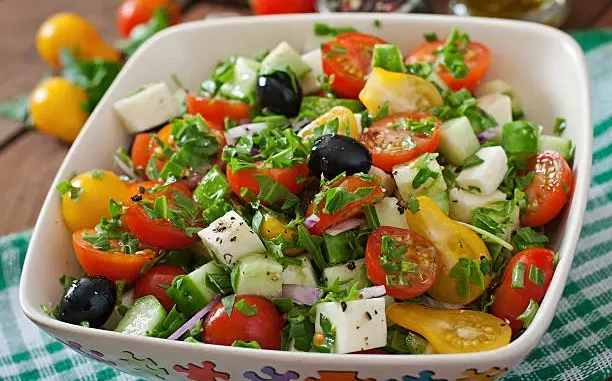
<point>86,200</point>
<point>69,30</point>
<point>55,108</point>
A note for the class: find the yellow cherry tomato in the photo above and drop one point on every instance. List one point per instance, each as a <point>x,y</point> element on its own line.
<point>87,200</point>
<point>452,331</point>
<point>272,227</point>
<point>347,123</point>
<point>402,92</point>
<point>69,30</point>
<point>55,108</point>
<point>455,242</point>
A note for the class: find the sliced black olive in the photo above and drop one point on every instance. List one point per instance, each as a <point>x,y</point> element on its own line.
<point>280,92</point>
<point>89,299</point>
<point>333,154</point>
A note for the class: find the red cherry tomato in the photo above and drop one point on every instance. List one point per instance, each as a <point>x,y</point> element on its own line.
<point>509,302</point>
<point>550,189</point>
<point>157,232</point>
<point>216,110</point>
<point>140,150</point>
<point>351,183</point>
<point>114,265</point>
<point>477,58</point>
<point>150,282</point>
<point>264,326</point>
<point>391,140</point>
<point>245,178</point>
<point>348,59</point>
<point>373,351</point>
<point>273,7</point>
<point>385,261</point>
<point>135,12</point>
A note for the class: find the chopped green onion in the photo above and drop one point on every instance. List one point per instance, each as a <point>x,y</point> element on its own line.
<point>536,275</point>
<point>527,316</point>
<point>161,207</point>
<point>518,275</point>
<point>489,236</point>
<point>371,217</point>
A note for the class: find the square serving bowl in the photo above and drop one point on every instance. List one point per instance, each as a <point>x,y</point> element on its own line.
<point>545,66</point>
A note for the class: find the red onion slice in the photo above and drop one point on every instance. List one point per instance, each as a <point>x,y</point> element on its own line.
<point>234,133</point>
<point>126,169</point>
<point>344,226</point>
<point>489,134</point>
<point>302,294</point>
<point>372,292</point>
<point>191,322</point>
<point>311,220</point>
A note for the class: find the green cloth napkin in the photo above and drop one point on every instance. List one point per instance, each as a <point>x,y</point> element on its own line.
<point>577,346</point>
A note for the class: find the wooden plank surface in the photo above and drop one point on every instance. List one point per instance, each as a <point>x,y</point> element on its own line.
<point>29,162</point>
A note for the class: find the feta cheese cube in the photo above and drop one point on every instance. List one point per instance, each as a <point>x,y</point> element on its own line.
<point>309,81</point>
<point>499,106</point>
<point>382,178</point>
<point>487,176</point>
<point>390,214</point>
<point>463,203</point>
<point>349,273</point>
<point>405,174</point>
<point>230,238</point>
<point>358,324</point>
<point>150,107</point>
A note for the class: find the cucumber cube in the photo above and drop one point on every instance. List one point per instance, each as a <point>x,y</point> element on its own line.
<point>556,143</point>
<point>347,274</point>
<point>302,275</point>
<point>258,275</point>
<point>190,293</point>
<point>144,316</point>
<point>457,140</point>
<point>283,55</point>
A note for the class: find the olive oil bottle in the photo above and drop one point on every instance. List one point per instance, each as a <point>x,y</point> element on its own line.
<point>552,12</point>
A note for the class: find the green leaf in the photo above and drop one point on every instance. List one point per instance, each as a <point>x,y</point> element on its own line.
<point>98,240</point>
<point>16,108</point>
<point>526,238</point>
<point>518,275</point>
<point>66,281</point>
<point>371,217</point>
<point>403,341</point>
<point>97,174</point>
<point>467,271</point>
<point>246,344</point>
<point>301,328</point>
<point>520,138</point>
<point>173,321</point>
<point>159,21</point>
<point>536,275</point>
<point>152,171</point>
<point>161,207</point>
<point>312,244</point>
<point>228,303</point>
<point>472,161</point>
<point>422,176</point>
<point>67,187</point>
<point>219,284</point>
<point>529,314</point>
<point>339,197</point>
<point>392,248</point>
<point>413,205</point>
<point>284,305</point>
<point>322,29</point>
<point>449,177</point>
<point>560,126</point>
<point>451,55</point>
<point>245,308</point>
<point>275,193</point>
<point>462,103</point>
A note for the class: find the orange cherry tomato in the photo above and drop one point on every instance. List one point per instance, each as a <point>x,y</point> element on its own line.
<point>245,178</point>
<point>392,141</point>
<point>135,12</point>
<point>114,265</point>
<point>477,58</point>
<point>550,189</point>
<point>149,284</point>
<point>140,150</point>
<point>216,110</point>
<point>273,7</point>
<point>348,59</point>
<point>509,302</point>
<point>351,183</point>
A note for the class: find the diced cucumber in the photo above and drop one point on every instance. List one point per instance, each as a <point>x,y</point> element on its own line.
<point>283,55</point>
<point>189,292</point>
<point>243,83</point>
<point>390,214</point>
<point>457,140</point>
<point>258,275</point>
<point>556,143</point>
<point>302,275</point>
<point>347,274</point>
<point>388,57</point>
<point>144,316</point>
<point>314,107</point>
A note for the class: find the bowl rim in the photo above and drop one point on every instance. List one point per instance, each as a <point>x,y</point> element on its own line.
<point>517,348</point>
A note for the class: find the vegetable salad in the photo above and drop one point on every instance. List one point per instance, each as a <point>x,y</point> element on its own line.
<point>350,199</point>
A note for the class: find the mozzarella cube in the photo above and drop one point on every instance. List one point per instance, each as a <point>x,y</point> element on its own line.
<point>463,203</point>
<point>487,176</point>
<point>390,213</point>
<point>309,82</point>
<point>495,86</point>
<point>302,275</point>
<point>358,118</point>
<point>230,238</point>
<point>358,324</point>
<point>405,174</point>
<point>150,107</point>
<point>347,274</point>
<point>383,179</point>
<point>499,106</point>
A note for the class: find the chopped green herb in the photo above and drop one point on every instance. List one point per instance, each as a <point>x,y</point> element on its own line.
<point>338,198</point>
<point>413,205</point>
<point>467,271</point>
<point>245,308</point>
<point>321,29</point>
<point>159,20</point>
<point>67,187</point>
<point>422,176</point>
<point>161,207</point>
<point>472,161</point>
<point>449,177</point>
<point>518,275</point>
<point>520,138</point>
<point>284,305</point>
<point>371,217</point>
<point>536,275</point>
<point>431,37</point>
<point>462,103</point>
<point>529,314</point>
<point>228,303</point>
<point>560,126</point>
<point>219,284</point>
<point>336,50</point>
<point>451,55</point>
<point>246,344</point>
<point>274,193</point>
<point>323,341</point>
<point>377,23</point>
<point>526,237</point>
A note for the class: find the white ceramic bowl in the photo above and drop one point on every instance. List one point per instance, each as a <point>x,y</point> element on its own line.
<point>544,65</point>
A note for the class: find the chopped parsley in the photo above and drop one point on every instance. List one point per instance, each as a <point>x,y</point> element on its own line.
<point>246,344</point>
<point>337,198</point>
<point>245,308</point>
<point>413,205</point>
<point>472,161</point>
<point>529,314</point>
<point>274,193</point>
<point>97,174</point>
<point>422,176</point>
<point>560,126</point>
<point>467,271</point>
<point>299,328</point>
<point>518,275</point>
<point>322,29</point>
<point>219,284</point>
<point>451,54</point>
<point>526,237</point>
<point>66,186</point>
<point>536,275</point>
<point>431,37</point>
<point>228,303</point>
<point>421,69</point>
<point>462,103</point>
<point>377,23</point>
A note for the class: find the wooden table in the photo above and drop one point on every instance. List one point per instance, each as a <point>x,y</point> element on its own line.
<point>29,159</point>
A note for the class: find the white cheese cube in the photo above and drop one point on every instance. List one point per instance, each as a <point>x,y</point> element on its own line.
<point>150,107</point>
<point>499,106</point>
<point>495,86</point>
<point>358,324</point>
<point>258,275</point>
<point>462,203</point>
<point>309,82</point>
<point>390,214</point>
<point>405,174</point>
<point>347,273</point>
<point>359,125</point>
<point>302,275</point>
<point>230,238</point>
<point>383,178</point>
<point>487,176</point>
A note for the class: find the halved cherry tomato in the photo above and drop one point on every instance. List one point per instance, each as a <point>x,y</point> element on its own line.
<point>347,123</point>
<point>135,12</point>
<point>550,189</point>
<point>114,265</point>
<point>351,183</point>
<point>392,141</point>
<point>157,232</point>
<point>141,149</point>
<point>216,110</point>
<point>245,178</point>
<point>509,302</point>
<point>452,331</point>
<point>164,136</point>
<point>272,7</point>
<point>477,58</point>
<point>150,283</point>
<point>264,326</point>
<point>348,59</point>
<point>406,259</point>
